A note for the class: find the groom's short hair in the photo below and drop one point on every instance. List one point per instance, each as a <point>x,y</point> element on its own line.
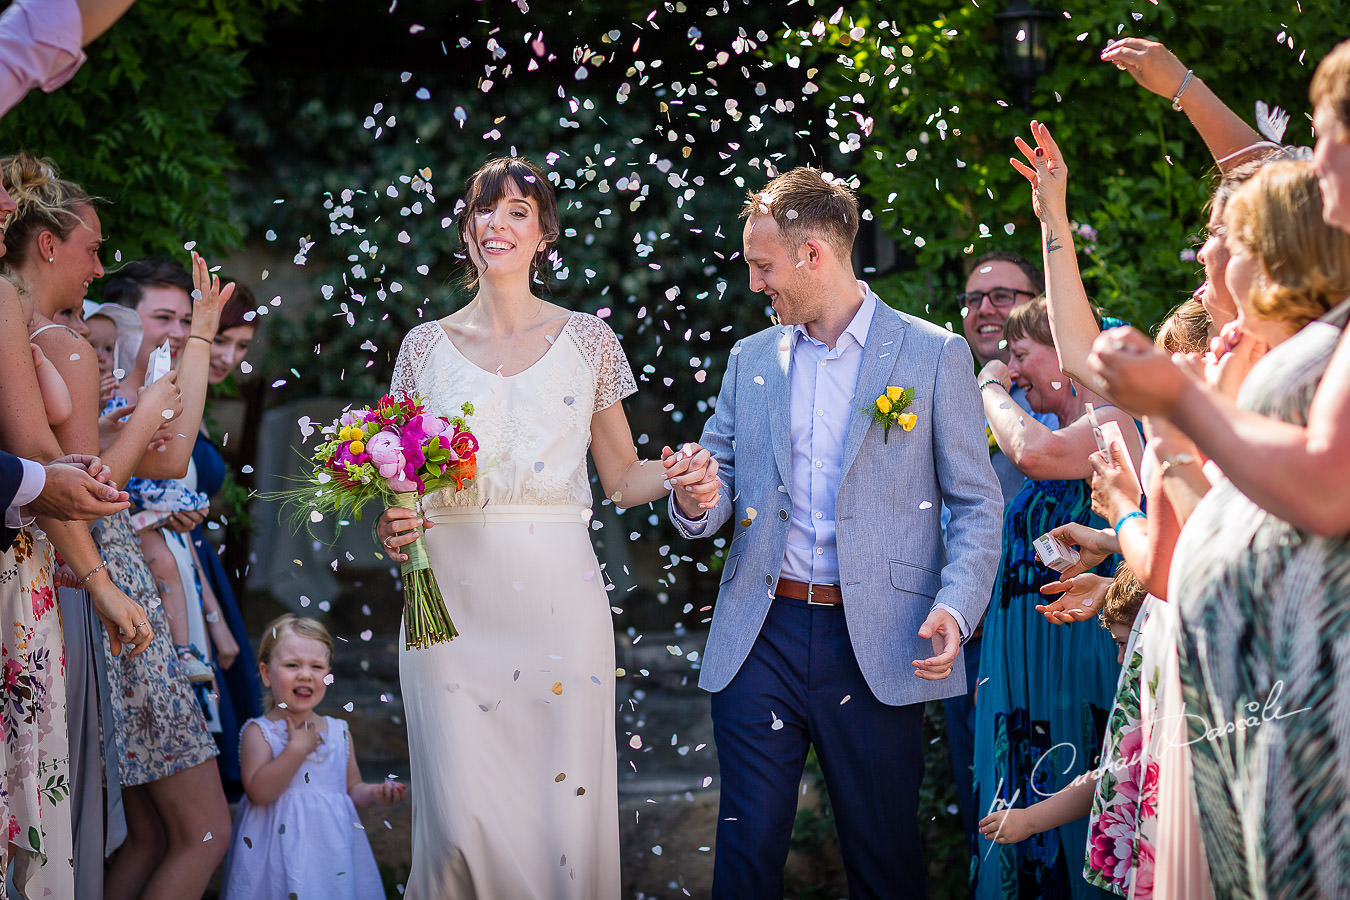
<point>805,203</point>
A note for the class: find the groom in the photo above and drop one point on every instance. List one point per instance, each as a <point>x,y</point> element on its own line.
<point>841,610</point>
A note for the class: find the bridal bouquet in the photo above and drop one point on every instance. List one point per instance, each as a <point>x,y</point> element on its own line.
<point>394,452</point>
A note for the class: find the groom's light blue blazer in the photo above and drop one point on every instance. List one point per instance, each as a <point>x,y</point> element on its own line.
<point>893,564</point>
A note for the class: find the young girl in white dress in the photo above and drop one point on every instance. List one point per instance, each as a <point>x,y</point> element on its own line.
<point>297,833</point>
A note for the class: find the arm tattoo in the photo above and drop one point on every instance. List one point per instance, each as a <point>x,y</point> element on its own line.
<point>1051,245</point>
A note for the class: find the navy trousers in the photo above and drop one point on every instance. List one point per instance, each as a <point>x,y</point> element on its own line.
<point>801,686</point>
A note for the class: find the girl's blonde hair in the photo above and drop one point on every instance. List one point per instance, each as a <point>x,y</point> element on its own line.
<point>299,626</point>
<point>1123,598</point>
<point>45,201</point>
<point>1186,330</point>
<point>1305,263</point>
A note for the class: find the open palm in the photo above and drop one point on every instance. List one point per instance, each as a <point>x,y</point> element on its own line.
<point>1080,598</point>
<point>1047,172</point>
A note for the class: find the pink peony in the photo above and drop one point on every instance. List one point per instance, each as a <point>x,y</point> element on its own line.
<point>388,457</point>
<point>1111,844</point>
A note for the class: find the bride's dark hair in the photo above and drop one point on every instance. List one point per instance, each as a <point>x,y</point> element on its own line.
<point>487,186</point>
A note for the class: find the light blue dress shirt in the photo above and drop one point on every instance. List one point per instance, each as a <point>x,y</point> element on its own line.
<point>821,382</point>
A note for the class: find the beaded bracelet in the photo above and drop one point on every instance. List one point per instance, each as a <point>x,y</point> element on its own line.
<point>94,571</point>
<point>988,381</point>
<point>1136,514</point>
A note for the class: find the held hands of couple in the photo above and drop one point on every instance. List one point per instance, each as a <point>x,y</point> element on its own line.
<point>691,473</point>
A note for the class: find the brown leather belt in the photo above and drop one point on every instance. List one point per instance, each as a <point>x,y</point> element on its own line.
<point>815,594</point>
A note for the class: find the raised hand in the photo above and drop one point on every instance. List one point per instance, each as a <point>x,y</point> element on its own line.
<point>996,370</point>
<point>1155,68</point>
<point>163,397</point>
<point>1047,172</point>
<point>207,300</point>
<point>1231,356</point>
<point>1080,598</point>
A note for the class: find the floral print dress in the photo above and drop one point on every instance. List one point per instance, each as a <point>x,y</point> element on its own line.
<point>157,722</point>
<point>1125,803</point>
<point>156,718</point>
<point>34,747</point>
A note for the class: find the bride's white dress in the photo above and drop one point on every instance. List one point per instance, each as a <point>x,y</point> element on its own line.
<point>511,725</point>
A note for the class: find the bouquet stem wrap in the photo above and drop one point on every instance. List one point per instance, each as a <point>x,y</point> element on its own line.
<point>425,618</point>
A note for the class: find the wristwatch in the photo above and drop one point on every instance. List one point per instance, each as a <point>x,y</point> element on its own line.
<point>1181,459</point>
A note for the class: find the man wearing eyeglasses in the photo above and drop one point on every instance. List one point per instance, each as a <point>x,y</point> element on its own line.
<point>998,281</point>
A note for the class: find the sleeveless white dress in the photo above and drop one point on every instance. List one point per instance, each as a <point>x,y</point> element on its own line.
<point>308,842</point>
<point>511,725</point>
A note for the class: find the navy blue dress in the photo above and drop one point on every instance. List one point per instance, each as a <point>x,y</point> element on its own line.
<point>240,689</point>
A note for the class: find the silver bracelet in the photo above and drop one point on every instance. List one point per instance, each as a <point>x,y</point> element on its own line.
<point>1185,83</point>
<point>94,571</point>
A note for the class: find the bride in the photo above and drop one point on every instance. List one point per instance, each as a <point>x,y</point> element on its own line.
<point>511,725</point>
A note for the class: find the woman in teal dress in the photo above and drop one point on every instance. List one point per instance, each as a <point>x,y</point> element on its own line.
<point>1044,690</point>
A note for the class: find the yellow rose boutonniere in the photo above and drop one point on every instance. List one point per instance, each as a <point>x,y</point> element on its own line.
<point>889,409</point>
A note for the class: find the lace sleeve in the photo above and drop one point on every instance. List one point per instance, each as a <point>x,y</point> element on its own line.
<point>413,356</point>
<point>600,347</point>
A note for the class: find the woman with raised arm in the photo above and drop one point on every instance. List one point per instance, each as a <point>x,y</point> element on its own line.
<point>1157,70</point>
<point>1074,326</point>
<point>511,724</point>
<point>171,790</point>
<point>1035,730</point>
<point>1243,578</point>
<point>1298,471</point>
